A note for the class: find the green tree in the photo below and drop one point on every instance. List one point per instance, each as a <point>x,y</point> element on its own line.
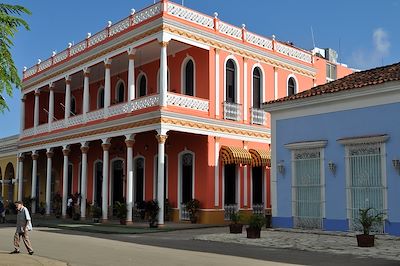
<point>10,21</point>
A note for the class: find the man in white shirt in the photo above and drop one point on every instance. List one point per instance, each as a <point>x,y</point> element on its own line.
<point>23,226</point>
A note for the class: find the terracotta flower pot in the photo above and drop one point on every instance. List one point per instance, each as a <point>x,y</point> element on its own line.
<point>365,240</point>
<point>235,228</point>
<point>253,232</point>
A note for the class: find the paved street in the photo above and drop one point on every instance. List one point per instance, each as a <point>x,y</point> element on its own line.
<point>180,248</point>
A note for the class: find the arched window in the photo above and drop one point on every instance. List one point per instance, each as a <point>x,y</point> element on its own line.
<point>230,81</point>
<point>188,78</point>
<point>73,106</point>
<point>187,177</point>
<point>120,92</point>
<point>292,87</point>
<point>256,87</point>
<point>100,98</point>
<point>142,86</point>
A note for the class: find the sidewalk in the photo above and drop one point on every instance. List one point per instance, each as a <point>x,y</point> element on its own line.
<point>112,226</point>
<point>386,247</point>
<point>25,259</point>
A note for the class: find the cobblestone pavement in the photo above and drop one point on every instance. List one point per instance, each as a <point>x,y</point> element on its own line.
<point>386,247</point>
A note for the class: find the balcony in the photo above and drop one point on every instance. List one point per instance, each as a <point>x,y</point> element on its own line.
<point>173,99</point>
<point>258,116</point>
<point>232,111</point>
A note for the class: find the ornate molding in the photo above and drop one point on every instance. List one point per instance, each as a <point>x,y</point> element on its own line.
<point>84,149</point>
<point>66,152</point>
<point>106,146</point>
<point>50,154</point>
<point>34,156</point>
<point>161,138</point>
<point>129,143</point>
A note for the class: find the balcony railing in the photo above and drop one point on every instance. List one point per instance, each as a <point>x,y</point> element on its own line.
<point>232,111</point>
<point>174,99</point>
<point>229,209</point>
<point>258,116</point>
<point>184,213</point>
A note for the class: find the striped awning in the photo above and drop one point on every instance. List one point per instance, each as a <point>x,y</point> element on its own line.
<point>260,157</point>
<point>234,155</point>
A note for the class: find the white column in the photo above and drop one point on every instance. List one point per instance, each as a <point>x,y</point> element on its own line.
<point>107,84</point>
<point>104,204</point>
<point>65,151</point>
<point>131,75</point>
<point>244,89</point>
<point>216,173</point>
<point>36,112</point>
<point>245,200</point>
<point>163,74</point>
<point>86,74</point>
<point>51,105</point>
<point>22,122</point>
<point>275,83</point>
<point>84,150</point>
<point>161,138</point>
<point>217,103</point>
<point>20,175</point>
<point>49,154</point>
<point>67,104</point>
<point>129,170</point>
<point>34,156</point>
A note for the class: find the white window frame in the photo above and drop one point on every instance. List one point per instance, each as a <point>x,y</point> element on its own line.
<point>116,90</point>
<point>380,140</point>
<point>183,75</point>
<point>95,180</point>
<point>139,77</point>
<point>262,87</point>
<point>180,155</point>
<point>98,96</point>
<point>296,87</point>
<point>237,78</point>
<point>135,175</point>
<point>308,145</point>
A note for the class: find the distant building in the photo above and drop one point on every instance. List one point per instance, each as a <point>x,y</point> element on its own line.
<point>164,104</point>
<point>335,150</point>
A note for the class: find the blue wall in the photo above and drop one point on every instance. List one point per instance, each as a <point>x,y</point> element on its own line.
<point>375,120</point>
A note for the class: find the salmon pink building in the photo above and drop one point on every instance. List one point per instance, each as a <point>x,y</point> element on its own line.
<point>164,104</point>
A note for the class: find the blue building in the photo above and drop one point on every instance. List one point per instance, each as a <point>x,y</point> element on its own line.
<point>336,149</point>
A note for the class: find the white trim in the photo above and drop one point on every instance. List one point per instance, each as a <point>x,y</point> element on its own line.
<point>217,83</point>
<point>276,92</point>
<point>72,181</point>
<point>79,176</point>
<point>95,181</point>
<point>98,97</point>
<point>306,145</point>
<point>216,173</point>
<point>183,74</point>
<point>237,78</point>
<point>111,179</point>
<point>262,87</point>
<point>296,84</point>
<point>361,140</point>
<point>245,89</point>
<point>155,173</point>
<point>141,74</point>
<point>273,173</point>
<point>135,176</point>
<point>116,91</point>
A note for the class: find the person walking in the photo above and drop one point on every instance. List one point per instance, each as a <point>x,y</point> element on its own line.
<point>24,225</point>
<point>2,211</point>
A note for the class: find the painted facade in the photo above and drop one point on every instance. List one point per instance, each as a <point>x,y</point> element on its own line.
<point>335,151</point>
<point>171,100</point>
<point>8,168</point>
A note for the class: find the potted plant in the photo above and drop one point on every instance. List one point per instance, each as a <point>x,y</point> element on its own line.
<point>367,221</point>
<point>96,213</point>
<point>256,222</point>
<point>235,227</point>
<point>152,210</point>
<point>192,207</point>
<point>140,208</point>
<point>121,211</point>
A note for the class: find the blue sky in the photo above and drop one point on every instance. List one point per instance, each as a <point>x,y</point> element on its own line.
<point>365,33</point>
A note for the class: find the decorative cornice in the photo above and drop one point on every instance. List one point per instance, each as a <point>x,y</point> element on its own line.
<point>364,140</point>
<point>306,145</point>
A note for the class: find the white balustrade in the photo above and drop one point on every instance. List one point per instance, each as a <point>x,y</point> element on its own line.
<point>184,213</point>
<point>229,209</point>
<point>98,37</point>
<point>230,30</point>
<point>28,132</point>
<point>95,115</point>
<point>117,109</point>
<point>60,57</point>
<point>29,72</point>
<point>190,15</point>
<point>232,111</point>
<point>45,64</point>
<point>141,103</point>
<point>147,13</point>
<point>120,26</point>
<point>59,124</point>
<point>42,129</point>
<point>259,209</point>
<point>258,40</point>
<point>258,116</point>
<point>187,102</point>
<point>75,120</point>
<point>77,48</point>
<point>293,52</point>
